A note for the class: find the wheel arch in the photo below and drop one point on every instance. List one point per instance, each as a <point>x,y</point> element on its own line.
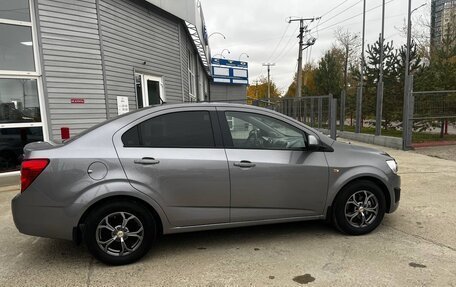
<point>79,229</point>
<point>370,178</point>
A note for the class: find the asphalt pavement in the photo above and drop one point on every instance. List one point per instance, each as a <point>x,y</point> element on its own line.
<point>415,246</point>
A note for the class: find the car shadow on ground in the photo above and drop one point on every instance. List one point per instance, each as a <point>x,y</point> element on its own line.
<point>64,252</point>
<point>184,244</point>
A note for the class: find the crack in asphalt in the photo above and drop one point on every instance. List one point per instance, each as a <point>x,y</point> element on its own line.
<point>89,272</point>
<point>422,238</point>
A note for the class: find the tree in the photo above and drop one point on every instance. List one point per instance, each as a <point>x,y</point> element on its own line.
<point>392,86</point>
<point>329,74</point>
<point>308,87</point>
<point>259,91</point>
<point>349,43</point>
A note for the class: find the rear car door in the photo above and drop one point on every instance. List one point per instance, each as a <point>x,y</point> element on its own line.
<point>176,156</point>
<point>272,174</point>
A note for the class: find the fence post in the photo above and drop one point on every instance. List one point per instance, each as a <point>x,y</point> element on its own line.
<point>342,111</point>
<point>407,121</point>
<point>410,113</point>
<point>333,118</point>
<point>379,110</point>
<point>359,107</point>
<point>305,110</point>
<point>320,108</point>
<point>312,115</point>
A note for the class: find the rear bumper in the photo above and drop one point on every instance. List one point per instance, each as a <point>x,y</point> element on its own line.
<point>43,221</point>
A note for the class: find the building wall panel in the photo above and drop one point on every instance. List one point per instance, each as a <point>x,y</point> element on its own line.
<point>70,48</point>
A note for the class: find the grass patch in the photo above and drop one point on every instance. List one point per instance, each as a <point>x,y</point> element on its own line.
<point>417,137</point>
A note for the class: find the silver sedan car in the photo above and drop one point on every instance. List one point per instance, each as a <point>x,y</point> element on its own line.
<point>189,167</point>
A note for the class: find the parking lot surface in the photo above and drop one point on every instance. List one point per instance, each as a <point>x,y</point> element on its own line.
<point>415,246</point>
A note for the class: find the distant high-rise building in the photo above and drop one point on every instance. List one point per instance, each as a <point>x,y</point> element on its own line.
<point>442,19</point>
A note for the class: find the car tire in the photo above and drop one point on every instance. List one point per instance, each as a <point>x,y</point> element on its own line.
<point>119,233</point>
<point>359,208</point>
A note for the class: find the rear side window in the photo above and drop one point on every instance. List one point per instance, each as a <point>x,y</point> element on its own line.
<point>181,129</point>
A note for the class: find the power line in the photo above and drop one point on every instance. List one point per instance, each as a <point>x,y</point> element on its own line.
<point>332,25</point>
<point>341,12</point>
<point>286,46</point>
<point>280,41</point>
<point>334,8</point>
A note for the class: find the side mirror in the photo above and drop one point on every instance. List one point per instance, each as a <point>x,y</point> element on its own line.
<point>312,142</point>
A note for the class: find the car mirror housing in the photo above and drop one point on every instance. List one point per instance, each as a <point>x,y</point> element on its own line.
<point>312,142</point>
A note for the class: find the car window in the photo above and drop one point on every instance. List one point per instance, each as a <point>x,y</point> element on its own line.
<point>255,131</point>
<point>180,129</point>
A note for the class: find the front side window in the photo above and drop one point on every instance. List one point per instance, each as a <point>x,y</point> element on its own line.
<point>174,130</point>
<point>255,131</point>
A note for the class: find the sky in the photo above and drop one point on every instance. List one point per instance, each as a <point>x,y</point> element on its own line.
<point>260,29</point>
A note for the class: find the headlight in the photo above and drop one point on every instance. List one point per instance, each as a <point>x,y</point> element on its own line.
<point>393,165</point>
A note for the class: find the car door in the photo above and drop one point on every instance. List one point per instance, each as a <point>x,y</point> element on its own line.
<point>272,174</point>
<point>176,156</point>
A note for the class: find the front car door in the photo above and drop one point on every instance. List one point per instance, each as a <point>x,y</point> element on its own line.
<point>176,156</point>
<point>272,174</point>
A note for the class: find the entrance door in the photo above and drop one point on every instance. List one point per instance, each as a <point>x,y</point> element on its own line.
<point>149,90</point>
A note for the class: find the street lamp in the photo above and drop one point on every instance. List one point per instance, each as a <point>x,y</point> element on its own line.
<point>242,55</point>
<point>221,53</point>
<point>216,33</point>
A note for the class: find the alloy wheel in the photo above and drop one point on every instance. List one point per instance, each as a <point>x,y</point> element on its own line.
<point>361,209</point>
<point>119,233</point>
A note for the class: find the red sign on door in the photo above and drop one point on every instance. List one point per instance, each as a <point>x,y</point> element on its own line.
<point>77,101</point>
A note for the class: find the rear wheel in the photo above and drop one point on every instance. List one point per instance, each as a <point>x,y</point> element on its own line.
<point>359,208</point>
<point>119,232</point>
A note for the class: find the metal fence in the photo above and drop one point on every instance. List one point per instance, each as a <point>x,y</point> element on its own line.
<point>316,111</point>
<point>433,116</point>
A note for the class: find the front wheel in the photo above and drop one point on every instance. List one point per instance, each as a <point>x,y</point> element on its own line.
<point>359,208</point>
<point>119,233</point>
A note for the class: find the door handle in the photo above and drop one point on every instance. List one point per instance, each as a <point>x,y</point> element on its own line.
<point>244,164</point>
<point>147,161</point>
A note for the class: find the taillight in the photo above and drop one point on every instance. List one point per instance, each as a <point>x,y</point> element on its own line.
<point>30,169</point>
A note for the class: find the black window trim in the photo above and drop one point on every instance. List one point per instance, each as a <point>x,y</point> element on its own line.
<point>214,121</point>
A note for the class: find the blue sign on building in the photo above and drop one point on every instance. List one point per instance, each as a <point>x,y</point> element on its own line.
<point>229,71</point>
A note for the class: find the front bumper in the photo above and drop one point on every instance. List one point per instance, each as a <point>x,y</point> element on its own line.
<point>43,221</point>
<point>395,193</point>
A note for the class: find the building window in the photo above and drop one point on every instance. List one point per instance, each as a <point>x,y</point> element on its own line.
<point>16,51</point>
<point>18,10</point>
<point>149,90</point>
<point>21,119</point>
<point>19,102</point>
<point>191,77</point>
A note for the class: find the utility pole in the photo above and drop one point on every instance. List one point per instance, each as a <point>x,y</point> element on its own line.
<point>302,46</point>
<point>379,110</point>
<point>359,98</point>
<point>408,84</point>
<point>269,79</point>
